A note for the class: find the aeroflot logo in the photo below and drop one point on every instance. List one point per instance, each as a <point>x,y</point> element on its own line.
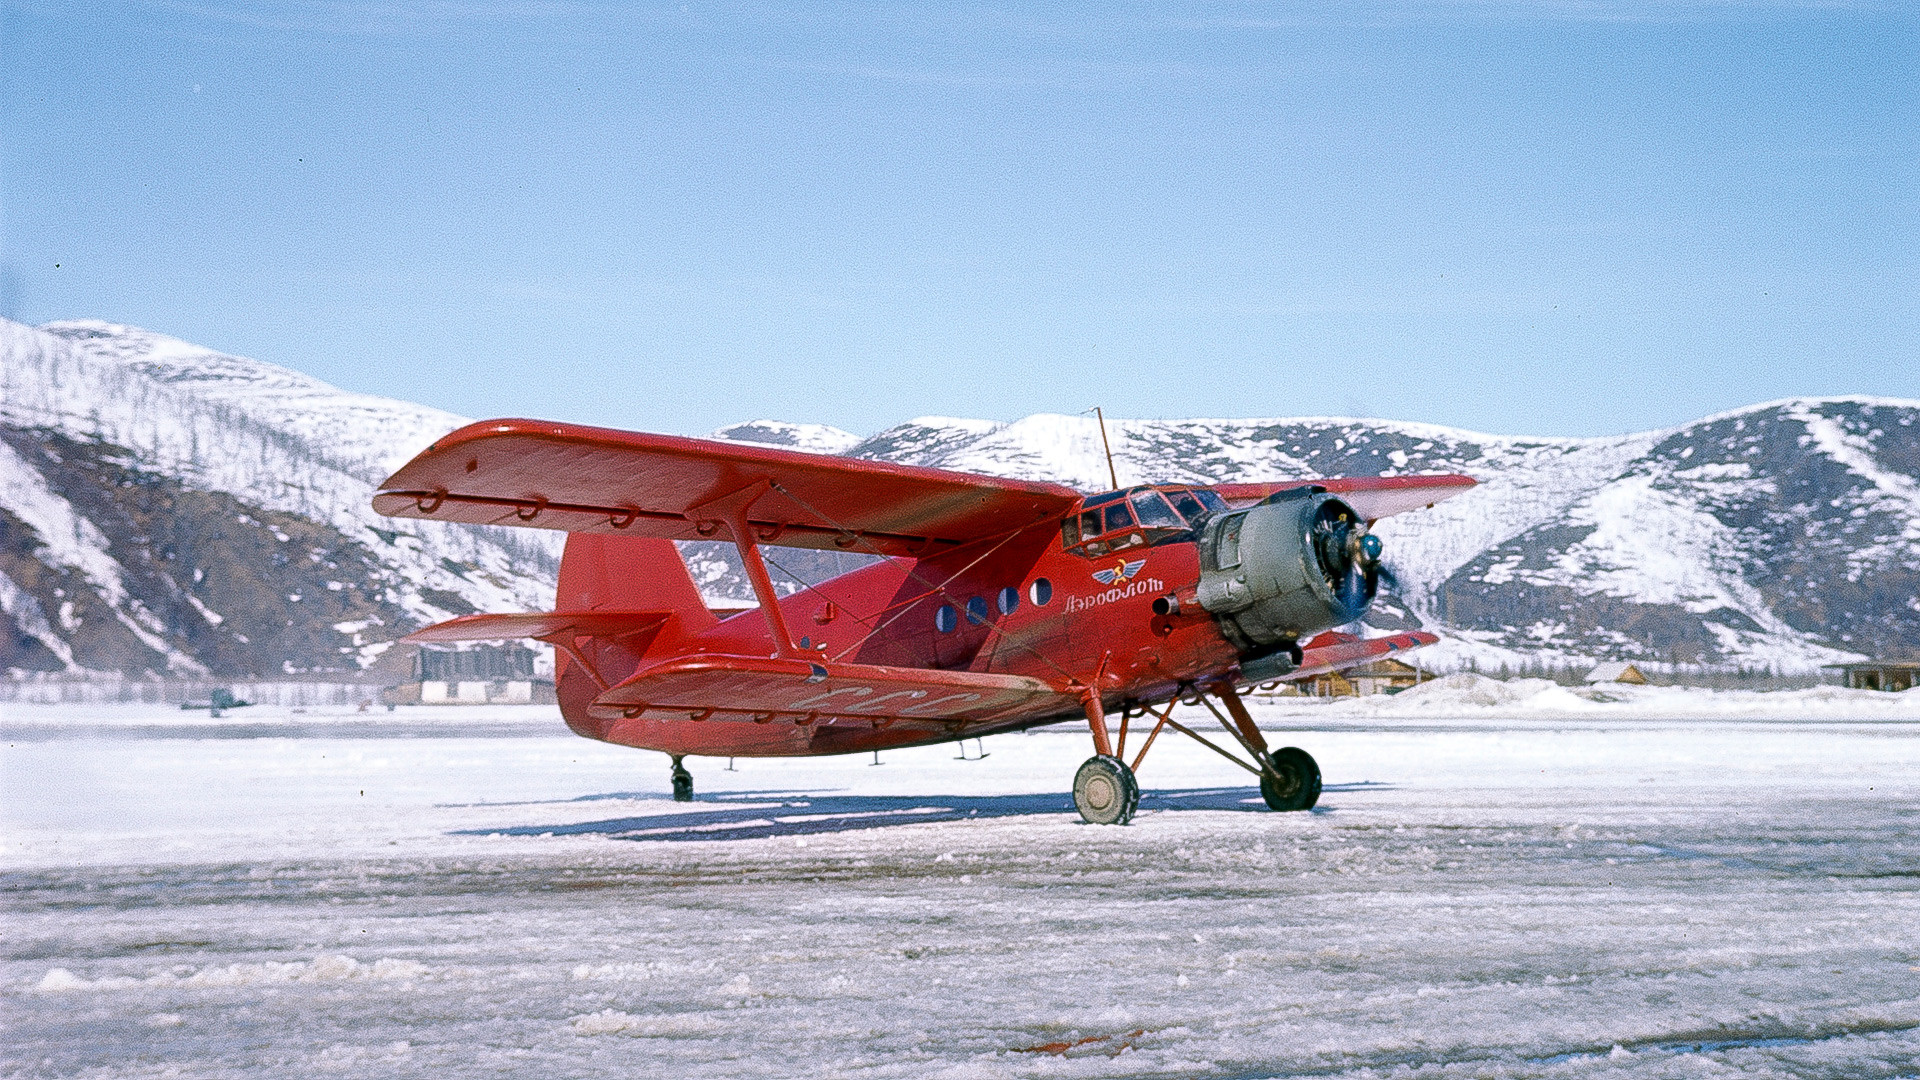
<point>1121,571</point>
<point>1141,587</point>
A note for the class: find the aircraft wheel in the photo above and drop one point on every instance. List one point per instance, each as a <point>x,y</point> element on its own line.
<point>1294,781</point>
<point>1105,792</point>
<point>682,783</point>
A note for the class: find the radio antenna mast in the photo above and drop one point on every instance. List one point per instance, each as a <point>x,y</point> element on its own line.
<point>1107,446</point>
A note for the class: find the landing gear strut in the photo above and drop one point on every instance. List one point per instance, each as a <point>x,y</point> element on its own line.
<point>1289,777</point>
<point>683,782</point>
<point>1105,792</point>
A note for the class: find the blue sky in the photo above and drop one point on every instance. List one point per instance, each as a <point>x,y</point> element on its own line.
<point>1555,218</point>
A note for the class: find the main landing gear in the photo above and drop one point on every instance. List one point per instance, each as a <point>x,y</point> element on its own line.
<point>683,782</point>
<point>1291,780</point>
<point>1106,793</point>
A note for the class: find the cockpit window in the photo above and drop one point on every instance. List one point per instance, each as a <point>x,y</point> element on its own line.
<point>1090,526</point>
<point>1135,517</point>
<point>1190,507</point>
<point>1153,511</point>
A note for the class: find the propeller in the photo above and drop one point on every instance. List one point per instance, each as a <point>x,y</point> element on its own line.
<point>1363,553</point>
<point>1350,558</point>
<point>1388,579</point>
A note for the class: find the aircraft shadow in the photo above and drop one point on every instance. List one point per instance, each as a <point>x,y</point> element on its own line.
<point>749,815</point>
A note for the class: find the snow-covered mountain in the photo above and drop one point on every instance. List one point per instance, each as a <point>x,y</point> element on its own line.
<point>1784,535</point>
<point>167,508</point>
<point>815,438</point>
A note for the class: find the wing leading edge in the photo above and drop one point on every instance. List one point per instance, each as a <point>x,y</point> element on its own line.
<point>1372,497</point>
<point>587,479</point>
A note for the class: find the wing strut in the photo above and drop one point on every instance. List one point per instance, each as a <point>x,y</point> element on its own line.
<point>732,510</point>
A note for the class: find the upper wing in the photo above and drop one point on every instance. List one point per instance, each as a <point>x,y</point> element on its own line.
<point>1372,497</point>
<point>587,479</point>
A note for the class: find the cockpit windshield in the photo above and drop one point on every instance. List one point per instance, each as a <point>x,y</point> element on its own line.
<point>1136,516</point>
<point>1153,511</point>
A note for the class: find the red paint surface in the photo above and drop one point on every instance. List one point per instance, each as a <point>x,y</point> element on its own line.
<point>643,663</point>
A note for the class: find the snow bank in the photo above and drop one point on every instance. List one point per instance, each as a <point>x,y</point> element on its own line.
<point>1466,695</point>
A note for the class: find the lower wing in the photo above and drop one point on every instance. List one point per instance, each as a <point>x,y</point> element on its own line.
<point>759,690</point>
<point>1337,652</point>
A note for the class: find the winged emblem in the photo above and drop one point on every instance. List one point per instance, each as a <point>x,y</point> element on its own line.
<point>1119,571</point>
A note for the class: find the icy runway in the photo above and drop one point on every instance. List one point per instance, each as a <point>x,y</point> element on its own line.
<point>1495,893</point>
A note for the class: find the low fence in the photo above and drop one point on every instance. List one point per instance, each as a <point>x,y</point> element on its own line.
<point>182,691</point>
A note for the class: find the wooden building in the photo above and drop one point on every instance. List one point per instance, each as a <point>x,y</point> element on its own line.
<point>1892,675</point>
<point>1617,673</point>
<point>1383,676</point>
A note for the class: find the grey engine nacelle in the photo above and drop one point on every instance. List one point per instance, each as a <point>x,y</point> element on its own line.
<point>1296,564</point>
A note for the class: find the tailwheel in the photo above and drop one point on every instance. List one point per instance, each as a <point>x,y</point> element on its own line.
<point>1292,782</point>
<point>683,782</point>
<point>1105,792</point>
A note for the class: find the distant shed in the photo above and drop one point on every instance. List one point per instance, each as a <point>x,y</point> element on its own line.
<point>1386,675</point>
<point>1328,684</point>
<point>476,675</point>
<point>1617,673</point>
<point>1893,675</point>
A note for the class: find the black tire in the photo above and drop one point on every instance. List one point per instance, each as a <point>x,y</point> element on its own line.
<point>1294,781</point>
<point>682,783</point>
<point>1105,792</point>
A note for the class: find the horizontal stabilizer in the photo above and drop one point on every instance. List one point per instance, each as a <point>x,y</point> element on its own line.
<point>757,689</point>
<point>543,625</point>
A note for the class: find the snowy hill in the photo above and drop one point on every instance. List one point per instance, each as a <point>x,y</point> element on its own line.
<point>815,438</point>
<point>1782,535</point>
<point>167,508</point>
<point>170,509</point>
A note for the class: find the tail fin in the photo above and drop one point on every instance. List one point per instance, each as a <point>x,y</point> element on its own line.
<point>629,573</point>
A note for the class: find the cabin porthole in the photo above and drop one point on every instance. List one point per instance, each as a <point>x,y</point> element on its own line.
<point>1008,599</point>
<point>1040,592</point>
<point>977,611</point>
<point>945,619</point>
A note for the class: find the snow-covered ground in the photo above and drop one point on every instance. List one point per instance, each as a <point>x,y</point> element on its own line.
<point>1679,885</point>
<point>1469,695</point>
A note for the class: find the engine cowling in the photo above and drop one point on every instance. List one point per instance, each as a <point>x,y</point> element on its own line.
<point>1298,563</point>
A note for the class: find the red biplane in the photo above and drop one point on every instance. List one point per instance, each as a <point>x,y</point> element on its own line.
<point>994,605</point>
